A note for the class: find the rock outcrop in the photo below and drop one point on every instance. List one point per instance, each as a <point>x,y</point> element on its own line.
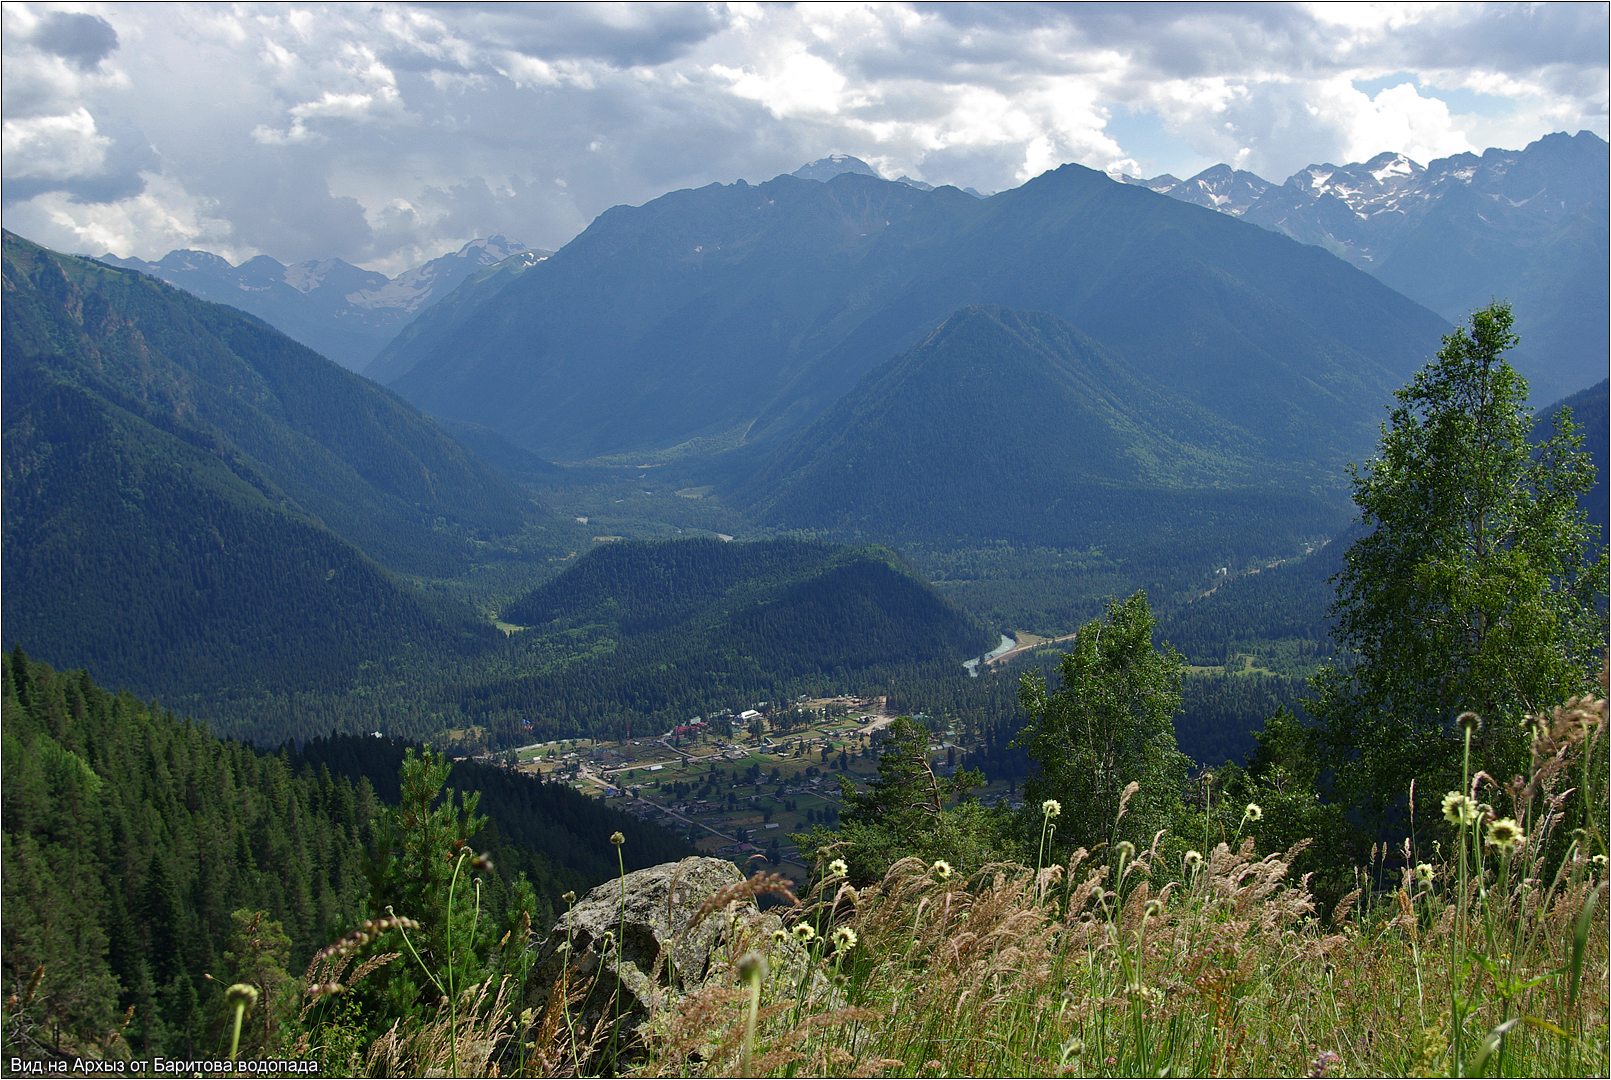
<point>639,942</point>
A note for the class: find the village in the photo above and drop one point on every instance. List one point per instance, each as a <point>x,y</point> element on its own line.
<point>739,784</point>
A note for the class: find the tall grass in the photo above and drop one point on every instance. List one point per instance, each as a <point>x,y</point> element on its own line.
<point>1485,957</point>
<point>1490,958</point>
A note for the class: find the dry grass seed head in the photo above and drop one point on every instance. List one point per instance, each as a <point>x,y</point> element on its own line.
<point>756,885</point>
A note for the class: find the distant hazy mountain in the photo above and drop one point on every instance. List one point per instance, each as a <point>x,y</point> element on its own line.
<point>750,310</point>
<point>336,309</point>
<point>1013,426</point>
<point>825,169</point>
<point>436,322</point>
<point>1527,225</point>
<point>196,504</point>
<point>833,165</point>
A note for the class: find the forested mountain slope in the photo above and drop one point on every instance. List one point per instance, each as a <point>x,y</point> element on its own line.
<point>196,504</point>
<point>434,323</point>
<point>1590,411</point>
<point>1014,425</point>
<point>752,309</point>
<point>131,837</point>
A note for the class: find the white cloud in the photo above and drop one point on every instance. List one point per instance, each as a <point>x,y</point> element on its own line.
<point>55,147</point>
<point>387,133</point>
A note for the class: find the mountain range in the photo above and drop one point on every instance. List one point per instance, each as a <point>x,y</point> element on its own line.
<point>742,313</point>
<point>341,311</point>
<point>1525,225</point>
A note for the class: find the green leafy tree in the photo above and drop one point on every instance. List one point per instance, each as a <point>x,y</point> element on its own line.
<point>1476,587</point>
<point>908,810</point>
<point>1110,722</point>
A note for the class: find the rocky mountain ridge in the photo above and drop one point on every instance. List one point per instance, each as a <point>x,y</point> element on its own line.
<point>1525,225</point>
<point>342,311</point>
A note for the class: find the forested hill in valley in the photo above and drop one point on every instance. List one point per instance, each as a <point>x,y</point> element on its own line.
<point>675,629</point>
<point>748,310</point>
<point>1015,426</point>
<point>195,503</point>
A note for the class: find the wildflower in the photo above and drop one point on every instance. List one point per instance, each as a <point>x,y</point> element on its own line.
<point>780,935</point>
<point>1323,1064</point>
<point>1154,908</point>
<point>1424,873</point>
<point>1126,850</point>
<point>1505,835</point>
<point>838,868</point>
<point>844,939</point>
<point>617,839</point>
<point>752,967</point>
<point>242,993</point>
<point>1599,862</point>
<point>1051,808</point>
<point>1254,812</point>
<point>805,932</point>
<point>1458,809</point>
<point>942,869</point>
<point>1194,859</point>
<point>569,898</point>
<point>1469,722</point>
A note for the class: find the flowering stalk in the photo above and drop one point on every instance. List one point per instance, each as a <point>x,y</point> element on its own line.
<point>1049,809</point>
<point>244,996</point>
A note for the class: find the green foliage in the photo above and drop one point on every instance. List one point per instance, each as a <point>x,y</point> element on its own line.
<point>143,854</point>
<point>908,810</point>
<point>130,839</point>
<point>1110,723</point>
<point>1473,591</point>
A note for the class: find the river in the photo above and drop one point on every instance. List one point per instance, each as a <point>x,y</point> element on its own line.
<point>1007,645</point>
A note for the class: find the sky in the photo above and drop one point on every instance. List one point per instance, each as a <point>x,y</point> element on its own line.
<point>387,134</point>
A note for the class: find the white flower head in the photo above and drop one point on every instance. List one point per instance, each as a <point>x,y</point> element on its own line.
<point>1506,835</point>
<point>1458,809</point>
<point>1254,812</point>
<point>844,939</point>
<point>1051,808</point>
<point>838,868</point>
<point>1194,859</point>
<point>942,869</point>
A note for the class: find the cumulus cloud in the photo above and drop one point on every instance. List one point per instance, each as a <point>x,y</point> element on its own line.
<point>81,40</point>
<point>387,134</point>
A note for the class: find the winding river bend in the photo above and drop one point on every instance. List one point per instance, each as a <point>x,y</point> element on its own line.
<point>1007,645</point>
